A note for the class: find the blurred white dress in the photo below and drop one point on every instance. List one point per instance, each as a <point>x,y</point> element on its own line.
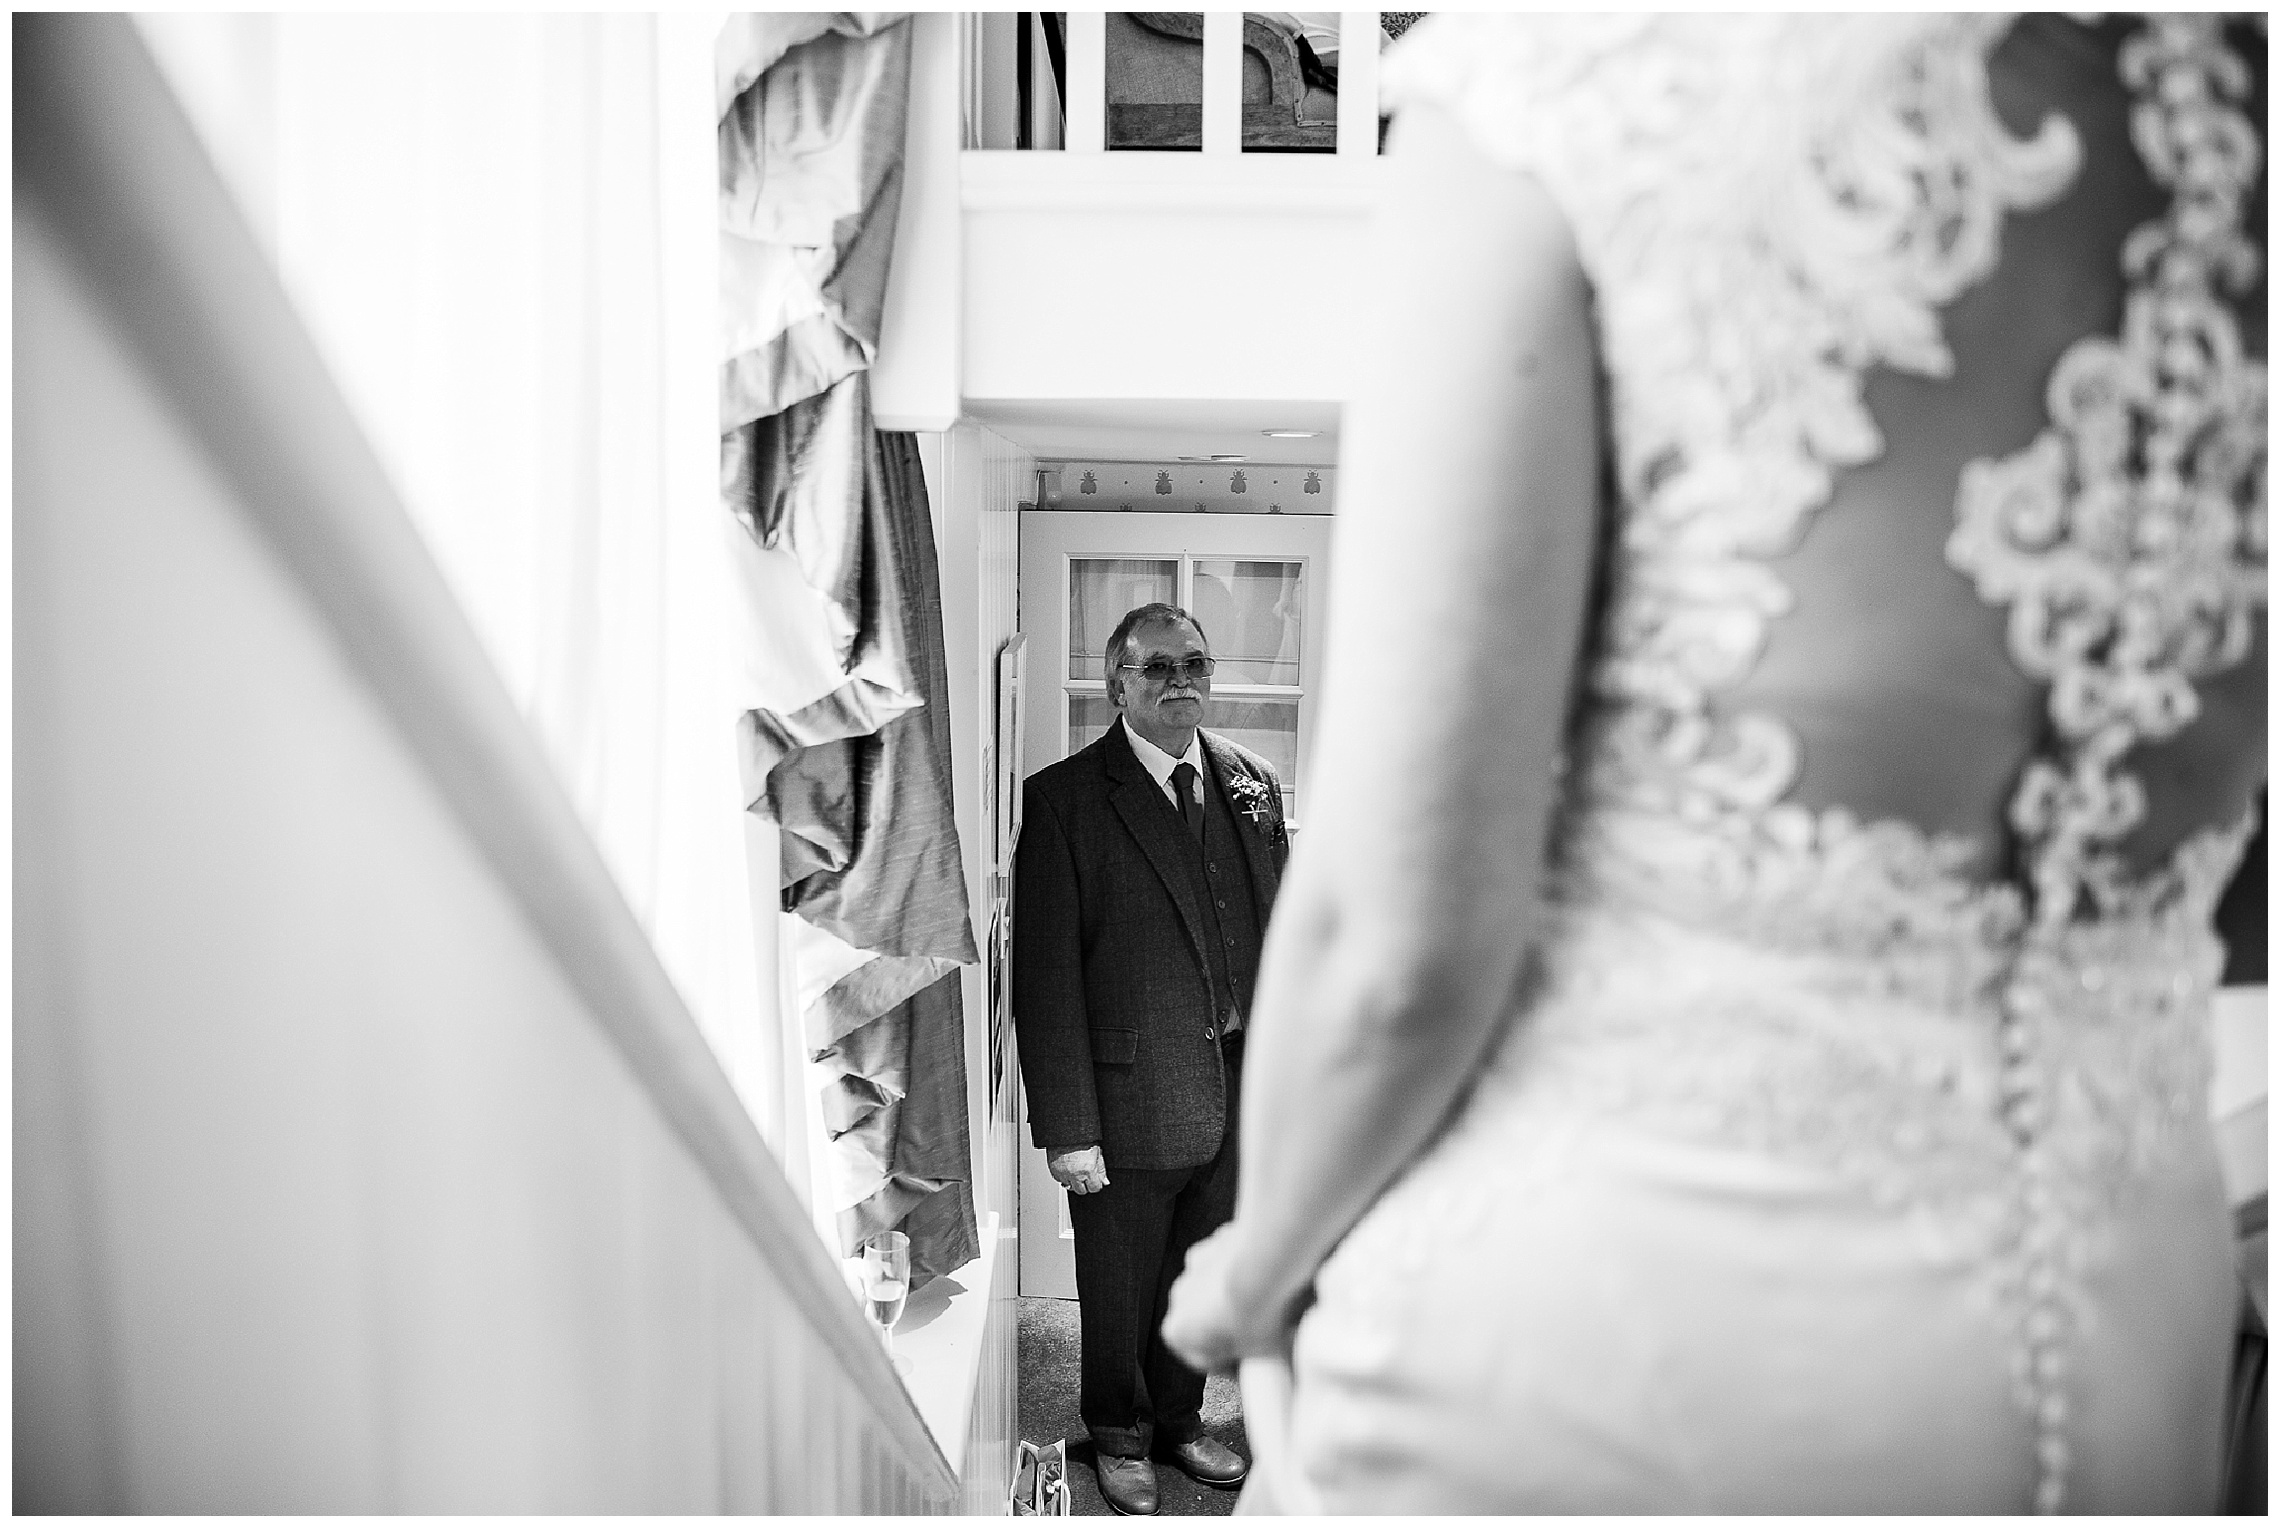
<point>1849,1149</point>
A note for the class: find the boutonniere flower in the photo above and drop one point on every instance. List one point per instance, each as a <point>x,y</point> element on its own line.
<point>1253,799</point>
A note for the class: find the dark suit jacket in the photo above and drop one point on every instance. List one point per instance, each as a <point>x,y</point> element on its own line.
<point>1112,997</point>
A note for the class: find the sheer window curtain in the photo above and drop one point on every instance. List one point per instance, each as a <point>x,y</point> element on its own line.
<point>501,230</point>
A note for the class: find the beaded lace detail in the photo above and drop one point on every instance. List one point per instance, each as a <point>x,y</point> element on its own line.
<point>2129,542</point>
<point>2129,538</point>
<point>1768,206</point>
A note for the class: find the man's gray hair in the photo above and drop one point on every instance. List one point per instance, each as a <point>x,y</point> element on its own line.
<point>1120,640</point>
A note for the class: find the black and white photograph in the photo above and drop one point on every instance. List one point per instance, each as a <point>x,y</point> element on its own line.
<point>994,763</point>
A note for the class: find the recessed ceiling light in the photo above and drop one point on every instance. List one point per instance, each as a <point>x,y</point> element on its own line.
<point>1290,434</point>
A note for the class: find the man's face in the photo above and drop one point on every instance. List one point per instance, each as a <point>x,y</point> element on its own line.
<point>1160,707</point>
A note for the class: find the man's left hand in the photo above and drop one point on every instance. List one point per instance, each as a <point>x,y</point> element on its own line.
<point>1206,1323</point>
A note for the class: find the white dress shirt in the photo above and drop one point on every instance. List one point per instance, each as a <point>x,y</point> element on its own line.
<point>1160,764</point>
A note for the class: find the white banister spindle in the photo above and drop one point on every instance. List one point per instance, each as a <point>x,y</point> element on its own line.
<point>1222,82</point>
<point>1088,83</point>
<point>1357,82</point>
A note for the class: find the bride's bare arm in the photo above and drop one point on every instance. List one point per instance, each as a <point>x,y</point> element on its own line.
<point>1464,545</point>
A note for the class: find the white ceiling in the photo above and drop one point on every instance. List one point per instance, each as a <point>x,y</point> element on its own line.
<point>1161,430</point>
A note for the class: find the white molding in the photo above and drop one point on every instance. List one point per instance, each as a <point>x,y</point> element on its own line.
<point>942,1337</point>
<point>1142,181</point>
<point>114,169</point>
<point>1269,487</point>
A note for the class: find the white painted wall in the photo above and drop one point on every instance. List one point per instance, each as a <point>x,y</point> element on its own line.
<point>335,1190</point>
<point>1048,276</point>
<point>1152,276</point>
<point>914,381</point>
<point>975,481</point>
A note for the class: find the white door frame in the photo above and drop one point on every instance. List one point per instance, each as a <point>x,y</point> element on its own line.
<point>1049,540</point>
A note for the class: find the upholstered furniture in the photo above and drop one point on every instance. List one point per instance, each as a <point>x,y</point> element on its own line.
<point>1155,86</point>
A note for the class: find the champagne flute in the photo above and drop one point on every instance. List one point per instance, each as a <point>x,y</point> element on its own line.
<point>886,1282</point>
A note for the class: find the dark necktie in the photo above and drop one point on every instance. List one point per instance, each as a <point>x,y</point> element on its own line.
<point>1183,786</point>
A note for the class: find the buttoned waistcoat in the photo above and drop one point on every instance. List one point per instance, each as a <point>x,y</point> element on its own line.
<point>1114,1002</point>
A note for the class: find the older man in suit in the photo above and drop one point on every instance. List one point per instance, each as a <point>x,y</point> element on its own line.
<point>1147,867</point>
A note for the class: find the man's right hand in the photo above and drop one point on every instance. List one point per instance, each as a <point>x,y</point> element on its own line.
<point>1083,1171</point>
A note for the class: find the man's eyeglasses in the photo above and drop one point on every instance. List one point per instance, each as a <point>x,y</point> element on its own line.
<point>1163,671</point>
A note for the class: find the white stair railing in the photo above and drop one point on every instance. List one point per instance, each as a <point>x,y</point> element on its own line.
<point>1222,83</point>
<point>1087,104</point>
<point>1087,129</point>
<point>1357,83</point>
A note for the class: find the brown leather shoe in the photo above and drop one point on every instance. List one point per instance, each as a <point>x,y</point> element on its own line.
<point>1128,1485</point>
<point>1208,1460</point>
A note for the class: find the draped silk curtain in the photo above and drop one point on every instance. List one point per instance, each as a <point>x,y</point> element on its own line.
<point>853,759</point>
<point>500,230</point>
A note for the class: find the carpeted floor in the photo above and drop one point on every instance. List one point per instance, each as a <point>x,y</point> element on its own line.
<point>1049,1411</point>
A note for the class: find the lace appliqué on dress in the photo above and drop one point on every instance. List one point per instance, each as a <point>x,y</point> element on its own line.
<point>2129,538</point>
<point>2129,543</point>
<point>1767,207</point>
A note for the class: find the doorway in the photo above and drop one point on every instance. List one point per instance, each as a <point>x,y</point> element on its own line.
<point>1259,587</point>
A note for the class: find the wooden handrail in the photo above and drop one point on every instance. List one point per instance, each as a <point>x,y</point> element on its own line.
<point>109,163</point>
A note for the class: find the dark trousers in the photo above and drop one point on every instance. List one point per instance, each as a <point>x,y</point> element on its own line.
<point>1132,1241</point>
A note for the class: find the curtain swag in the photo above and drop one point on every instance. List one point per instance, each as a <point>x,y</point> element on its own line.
<point>811,134</point>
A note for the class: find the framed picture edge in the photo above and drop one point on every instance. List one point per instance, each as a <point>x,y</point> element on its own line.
<point>1011,666</point>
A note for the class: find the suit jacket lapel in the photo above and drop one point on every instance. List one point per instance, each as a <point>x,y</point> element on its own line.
<point>1257,854</point>
<point>1162,837</point>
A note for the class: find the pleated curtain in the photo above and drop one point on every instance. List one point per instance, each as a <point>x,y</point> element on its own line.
<point>854,765</point>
